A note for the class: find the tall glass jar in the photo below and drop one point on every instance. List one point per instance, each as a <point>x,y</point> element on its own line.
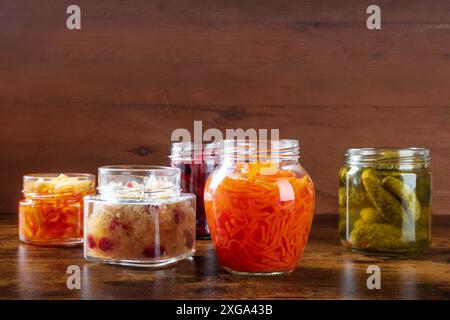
<point>385,200</point>
<point>259,204</point>
<point>139,217</point>
<point>51,212</point>
<point>196,162</point>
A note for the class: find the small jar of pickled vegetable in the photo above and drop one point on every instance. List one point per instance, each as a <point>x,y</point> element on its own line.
<point>51,212</point>
<point>385,201</point>
<point>139,218</point>
<point>196,162</point>
<point>259,204</point>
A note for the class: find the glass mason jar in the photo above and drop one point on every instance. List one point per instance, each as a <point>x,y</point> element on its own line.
<point>385,200</point>
<point>51,212</point>
<point>139,217</point>
<point>259,204</point>
<point>196,165</point>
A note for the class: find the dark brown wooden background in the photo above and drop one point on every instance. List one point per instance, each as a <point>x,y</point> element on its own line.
<point>113,92</point>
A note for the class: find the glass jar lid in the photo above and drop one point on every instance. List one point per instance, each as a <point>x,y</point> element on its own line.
<point>261,150</point>
<point>139,181</point>
<point>388,156</point>
<point>188,151</point>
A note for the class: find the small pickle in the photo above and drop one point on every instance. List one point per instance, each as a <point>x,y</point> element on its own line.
<point>388,160</point>
<point>371,215</point>
<point>342,197</point>
<point>423,188</point>
<point>343,175</point>
<point>353,215</point>
<point>378,236</point>
<point>405,194</point>
<point>425,217</point>
<point>385,203</point>
<point>355,197</point>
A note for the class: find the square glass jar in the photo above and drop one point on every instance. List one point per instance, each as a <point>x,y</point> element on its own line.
<point>139,218</point>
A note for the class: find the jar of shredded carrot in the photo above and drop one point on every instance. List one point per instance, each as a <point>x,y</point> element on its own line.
<point>51,212</point>
<point>259,205</point>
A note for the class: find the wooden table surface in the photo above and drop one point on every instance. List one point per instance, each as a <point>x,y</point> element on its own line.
<point>327,271</point>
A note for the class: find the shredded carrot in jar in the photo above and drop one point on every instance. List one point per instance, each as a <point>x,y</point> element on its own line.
<point>260,217</point>
<point>53,218</point>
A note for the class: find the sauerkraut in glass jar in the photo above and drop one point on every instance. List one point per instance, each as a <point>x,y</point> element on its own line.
<point>139,217</point>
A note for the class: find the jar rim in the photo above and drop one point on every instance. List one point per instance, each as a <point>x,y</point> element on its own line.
<point>252,141</point>
<point>189,151</point>
<point>260,150</point>
<point>138,168</point>
<point>387,154</point>
<point>190,144</point>
<point>45,176</point>
<point>32,178</point>
<point>138,181</point>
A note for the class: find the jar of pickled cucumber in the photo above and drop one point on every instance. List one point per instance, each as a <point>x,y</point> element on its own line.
<point>385,200</point>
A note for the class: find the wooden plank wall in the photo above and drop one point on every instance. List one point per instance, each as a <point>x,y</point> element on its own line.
<point>113,92</point>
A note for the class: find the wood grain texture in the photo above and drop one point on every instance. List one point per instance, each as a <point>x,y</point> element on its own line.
<point>113,92</point>
<point>327,271</point>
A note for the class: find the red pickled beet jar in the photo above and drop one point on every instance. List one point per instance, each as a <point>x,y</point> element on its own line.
<point>196,162</point>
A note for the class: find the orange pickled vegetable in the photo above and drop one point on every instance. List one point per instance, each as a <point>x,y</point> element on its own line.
<point>260,217</point>
<point>52,218</point>
<point>47,216</point>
